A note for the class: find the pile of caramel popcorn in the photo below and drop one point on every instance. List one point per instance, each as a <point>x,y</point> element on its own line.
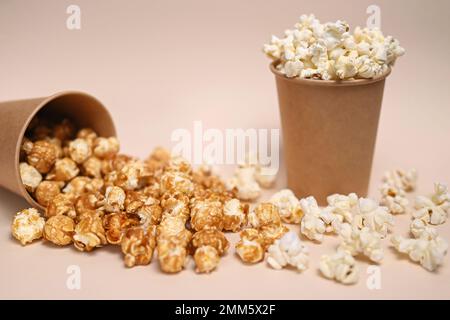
<point>93,196</point>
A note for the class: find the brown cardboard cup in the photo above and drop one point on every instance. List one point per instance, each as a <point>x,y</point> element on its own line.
<point>329,132</point>
<point>15,116</point>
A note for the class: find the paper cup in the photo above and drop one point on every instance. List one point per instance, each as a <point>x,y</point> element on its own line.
<point>329,132</point>
<point>15,116</point>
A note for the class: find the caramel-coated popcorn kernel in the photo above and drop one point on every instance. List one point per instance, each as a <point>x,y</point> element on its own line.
<point>31,178</point>
<point>106,147</point>
<point>59,230</point>
<point>92,167</point>
<point>138,246</point>
<point>79,150</point>
<point>61,204</point>
<point>46,191</point>
<point>65,169</point>
<point>264,214</point>
<point>172,256</point>
<point>213,238</point>
<point>114,199</point>
<point>250,247</point>
<point>207,215</point>
<point>206,259</point>
<point>27,226</point>
<point>89,233</point>
<point>43,156</point>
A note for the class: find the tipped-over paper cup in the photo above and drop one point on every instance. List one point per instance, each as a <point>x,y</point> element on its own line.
<point>329,132</point>
<point>15,116</point>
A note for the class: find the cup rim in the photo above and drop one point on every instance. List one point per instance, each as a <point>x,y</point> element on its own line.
<point>329,83</point>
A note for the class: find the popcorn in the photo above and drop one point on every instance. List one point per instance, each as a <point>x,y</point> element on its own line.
<point>137,246</point>
<point>288,251</point>
<point>173,229</point>
<point>234,215</point>
<point>429,252</point>
<point>405,180</point>
<point>31,178</point>
<point>59,230</point>
<point>288,206</point>
<point>212,238</point>
<point>79,150</point>
<point>272,232</point>
<point>394,199</point>
<point>115,224</point>
<point>62,204</point>
<point>92,167</point>
<point>176,181</point>
<point>64,130</point>
<point>373,216</point>
<point>365,241</point>
<point>65,170</point>
<point>207,215</point>
<point>340,266</point>
<point>342,206</point>
<point>172,256</point>
<point>312,226</point>
<point>89,233</point>
<point>435,209</point>
<point>114,199</point>
<point>250,247</point>
<point>244,182</point>
<point>106,147</point>
<point>265,177</point>
<point>27,226</point>
<point>419,229</point>
<point>43,156</point>
<point>88,135</point>
<point>46,191</point>
<point>329,52</point>
<point>264,214</point>
<point>206,259</point>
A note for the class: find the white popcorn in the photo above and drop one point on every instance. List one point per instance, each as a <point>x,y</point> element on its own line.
<point>433,210</point>
<point>429,252</point>
<point>329,52</point>
<point>419,229</point>
<point>312,226</point>
<point>288,251</point>
<point>393,198</point>
<point>365,241</point>
<point>288,206</point>
<point>244,181</point>
<point>340,266</point>
<point>265,176</point>
<point>405,180</point>
<point>343,206</point>
<point>30,176</point>
<point>373,216</point>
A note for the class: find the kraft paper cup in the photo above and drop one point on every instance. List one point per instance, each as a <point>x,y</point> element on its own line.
<point>15,116</point>
<point>329,131</point>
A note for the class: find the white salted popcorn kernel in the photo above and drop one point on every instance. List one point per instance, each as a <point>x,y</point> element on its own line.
<point>361,241</point>
<point>340,266</point>
<point>30,176</point>
<point>265,177</point>
<point>373,216</point>
<point>434,209</point>
<point>244,181</point>
<point>343,205</point>
<point>288,206</point>
<point>312,226</point>
<point>405,180</point>
<point>419,229</point>
<point>393,198</point>
<point>429,252</point>
<point>288,251</point>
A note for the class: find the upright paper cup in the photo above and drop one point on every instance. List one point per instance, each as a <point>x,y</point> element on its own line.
<point>329,131</point>
<point>15,116</point>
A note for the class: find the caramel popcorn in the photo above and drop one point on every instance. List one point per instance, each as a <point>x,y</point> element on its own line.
<point>88,135</point>
<point>172,256</point>
<point>138,246</point>
<point>173,181</point>
<point>64,130</point>
<point>272,232</point>
<point>234,215</point>
<point>213,238</point>
<point>264,214</point>
<point>106,147</point>
<point>131,175</point>
<point>115,224</point>
<point>250,247</point>
<point>31,178</point>
<point>88,203</point>
<point>46,191</point>
<point>92,167</point>
<point>89,233</point>
<point>173,229</point>
<point>207,215</point>
<point>27,226</point>
<point>65,170</point>
<point>43,156</point>
<point>114,199</point>
<point>79,150</point>
<point>59,230</point>
<point>149,214</point>
<point>62,204</point>
<point>26,147</point>
<point>206,259</point>
<point>245,184</point>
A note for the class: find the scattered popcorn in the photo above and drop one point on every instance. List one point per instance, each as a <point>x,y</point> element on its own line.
<point>329,51</point>
<point>65,170</point>
<point>176,181</point>
<point>62,204</point>
<point>373,216</point>
<point>434,209</point>
<point>46,191</point>
<point>115,224</point>
<point>265,177</point>
<point>244,182</point>
<point>79,150</point>
<point>172,256</point>
<point>264,214</point>
<point>92,167</point>
<point>405,180</point>
<point>206,259</point>
<point>114,199</point>
<point>429,252</point>
<point>288,251</point>
<point>393,198</point>
<point>365,241</point>
<point>272,232</point>
<point>234,215</point>
<point>312,226</point>
<point>59,230</point>
<point>419,229</point>
<point>212,238</point>
<point>207,215</point>
<point>31,178</point>
<point>106,147</point>
<point>288,206</point>
<point>27,226</point>
<point>250,247</point>
<point>342,206</point>
<point>43,156</point>
<point>340,266</point>
<point>137,246</point>
<point>89,233</point>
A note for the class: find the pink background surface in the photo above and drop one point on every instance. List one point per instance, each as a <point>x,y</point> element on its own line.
<point>160,65</point>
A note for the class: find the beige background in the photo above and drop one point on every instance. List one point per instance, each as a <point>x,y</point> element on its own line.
<point>160,65</point>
